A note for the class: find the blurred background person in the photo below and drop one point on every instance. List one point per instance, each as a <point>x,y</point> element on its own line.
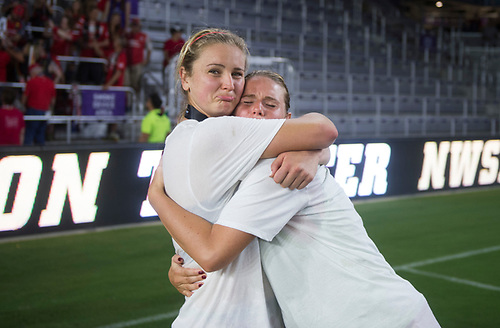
<point>115,31</point>
<point>156,124</point>
<point>122,7</point>
<point>41,17</point>
<point>172,46</point>
<point>11,120</point>
<point>117,64</point>
<point>95,37</point>
<point>38,99</point>
<point>115,76</point>
<point>138,54</point>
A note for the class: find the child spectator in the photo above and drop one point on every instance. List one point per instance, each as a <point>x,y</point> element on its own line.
<point>38,98</point>
<point>138,54</point>
<point>11,120</point>
<point>156,124</point>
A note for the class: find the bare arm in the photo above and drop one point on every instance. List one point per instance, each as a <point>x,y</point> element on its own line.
<point>143,137</point>
<point>212,246</point>
<point>113,79</point>
<point>312,131</point>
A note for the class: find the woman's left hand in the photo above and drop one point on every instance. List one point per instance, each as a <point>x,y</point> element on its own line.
<point>295,169</point>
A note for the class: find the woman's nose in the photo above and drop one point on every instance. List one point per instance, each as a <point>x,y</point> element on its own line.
<point>257,109</point>
<point>227,82</point>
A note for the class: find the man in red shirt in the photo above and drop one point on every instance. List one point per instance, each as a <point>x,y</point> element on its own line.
<point>138,54</point>
<point>38,98</point>
<point>11,120</point>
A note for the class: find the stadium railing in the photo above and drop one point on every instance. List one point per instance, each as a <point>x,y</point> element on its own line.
<point>135,115</point>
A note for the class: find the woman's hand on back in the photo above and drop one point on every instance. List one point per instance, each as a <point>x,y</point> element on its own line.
<point>185,280</point>
<point>295,169</point>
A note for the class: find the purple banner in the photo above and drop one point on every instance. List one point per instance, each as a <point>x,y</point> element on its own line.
<point>103,103</point>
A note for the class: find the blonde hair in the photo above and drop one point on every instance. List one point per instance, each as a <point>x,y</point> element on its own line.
<point>193,49</point>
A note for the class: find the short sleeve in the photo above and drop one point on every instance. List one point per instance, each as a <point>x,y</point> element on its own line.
<point>260,206</point>
<point>224,149</point>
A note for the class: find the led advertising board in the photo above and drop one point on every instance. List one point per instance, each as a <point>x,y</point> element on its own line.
<point>49,190</point>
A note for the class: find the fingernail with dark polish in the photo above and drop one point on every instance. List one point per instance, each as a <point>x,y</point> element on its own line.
<point>204,277</point>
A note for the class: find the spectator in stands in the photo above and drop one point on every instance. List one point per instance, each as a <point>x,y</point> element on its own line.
<point>11,120</point>
<point>122,7</point>
<point>116,31</point>
<point>15,25</point>
<point>117,64</point>
<point>95,38</point>
<point>138,54</point>
<point>173,45</point>
<point>156,124</point>
<point>50,65</point>
<point>4,61</point>
<point>38,99</point>
<point>101,5</point>
<point>40,18</point>
<point>62,38</point>
<point>63,44</point>
<point>76,13</point>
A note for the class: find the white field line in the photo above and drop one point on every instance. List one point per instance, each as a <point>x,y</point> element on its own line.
<point>141,321</point>
<point>411,268</point>
<point>454,279</point>
<point>407,267</point>
<point>448,258</point>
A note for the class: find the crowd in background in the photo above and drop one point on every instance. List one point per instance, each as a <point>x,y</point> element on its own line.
<point>33,33</point>
<point>92,42</point>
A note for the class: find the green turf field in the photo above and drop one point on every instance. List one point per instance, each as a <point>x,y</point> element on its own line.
<point>448,246</point>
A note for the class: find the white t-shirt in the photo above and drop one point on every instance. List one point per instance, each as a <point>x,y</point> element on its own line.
<point>324,269</point>
<point>203,164</point>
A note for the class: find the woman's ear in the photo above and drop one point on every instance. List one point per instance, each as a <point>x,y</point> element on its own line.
<point>184,79</point>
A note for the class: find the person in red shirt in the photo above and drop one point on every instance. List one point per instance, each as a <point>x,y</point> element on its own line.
<point>173,45</point>
<point>38,98</point>
<point>62,37</point>
<point>116,65</point>
<point>11,120</point>
<point>95,39</point>
<point>15,25</point>
<point>4,61</point>
<point>138,54</point>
